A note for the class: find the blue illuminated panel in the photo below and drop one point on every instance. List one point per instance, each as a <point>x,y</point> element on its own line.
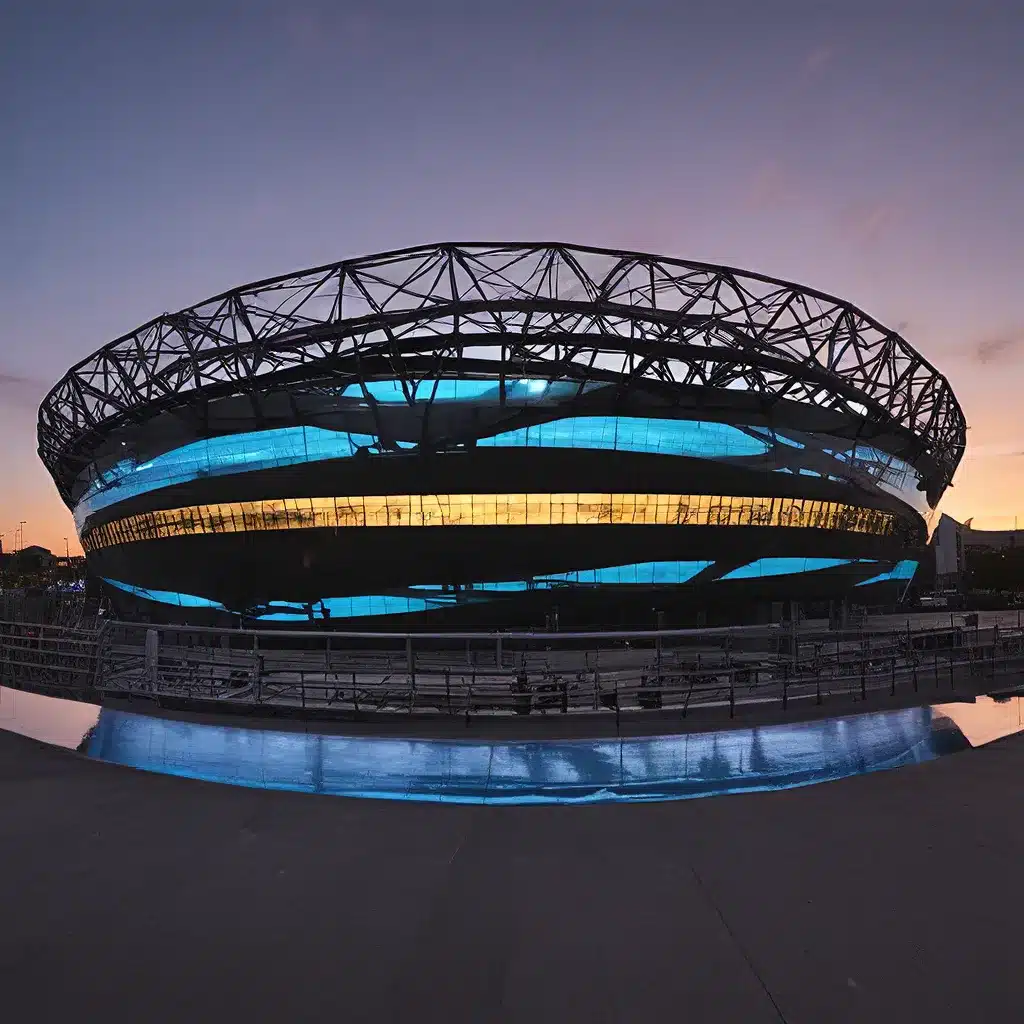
<point>432,596</point>
<point>288,611</point>
<point>784,567</point>
<point>220,456</point>
<point>290,446</point>
<point>260,450</point>
<point>636,573</point>
<point>425,597</point>
<point>694,438</point>
<point>165,596</point>
<point>776,437</point>
<point>904,571</point>
<point>350,607</point>
<point>484,391</point>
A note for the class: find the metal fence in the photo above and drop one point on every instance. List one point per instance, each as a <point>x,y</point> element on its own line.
<point>58,660</point>
<point>460,674</point>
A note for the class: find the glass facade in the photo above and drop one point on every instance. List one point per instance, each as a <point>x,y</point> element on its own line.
<point>762,567</point>
<point>425,597</point>
<point>166,596</point>
<point>473,418</point>
<point>292,446</point>
<point>904,570</point>
<point>422,510</point>
<point>222,456</point>
<point>479,390</point>
<point>757,447</point>
<point>693,438</point>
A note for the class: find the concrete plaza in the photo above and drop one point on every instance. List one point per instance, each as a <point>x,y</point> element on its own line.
<point>888,897</point>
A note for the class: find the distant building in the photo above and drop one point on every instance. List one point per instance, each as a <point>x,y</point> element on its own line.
<point>29,559</point>
<point>953,544</point>
<point>990,540</point>
<point>947,545</point>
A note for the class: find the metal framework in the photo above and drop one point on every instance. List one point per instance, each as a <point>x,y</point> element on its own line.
<point>563,311</point>
<point>465,674</point>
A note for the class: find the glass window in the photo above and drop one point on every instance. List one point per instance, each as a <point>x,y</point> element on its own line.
<point>783,567</point>
<point>489,510</point>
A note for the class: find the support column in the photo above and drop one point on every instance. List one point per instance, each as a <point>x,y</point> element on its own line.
<point>152,656</point>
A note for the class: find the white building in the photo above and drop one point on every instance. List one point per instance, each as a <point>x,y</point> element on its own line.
<point>953,541</point>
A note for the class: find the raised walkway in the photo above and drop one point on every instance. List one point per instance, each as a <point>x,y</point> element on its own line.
<point>887,897</point>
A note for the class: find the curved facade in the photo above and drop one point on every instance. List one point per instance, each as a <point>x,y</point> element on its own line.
<point>489,435</point>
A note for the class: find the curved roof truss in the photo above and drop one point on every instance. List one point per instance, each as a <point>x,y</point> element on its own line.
<point>570,309</point>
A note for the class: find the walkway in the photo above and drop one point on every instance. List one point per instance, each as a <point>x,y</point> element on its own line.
<point>889,897</point>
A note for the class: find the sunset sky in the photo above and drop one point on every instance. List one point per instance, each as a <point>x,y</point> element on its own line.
<point>156,154</point>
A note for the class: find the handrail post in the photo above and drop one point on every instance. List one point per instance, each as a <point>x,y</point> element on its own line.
<point>257,668</point>
<point>100,651</point>
<point>152,656</point>
<point>863,671</point>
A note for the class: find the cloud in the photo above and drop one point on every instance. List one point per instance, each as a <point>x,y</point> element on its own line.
<point>18,390</point>
<point>999,348</point>
<point>14,380</point>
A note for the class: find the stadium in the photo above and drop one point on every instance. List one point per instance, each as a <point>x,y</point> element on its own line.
<point>490,435</point>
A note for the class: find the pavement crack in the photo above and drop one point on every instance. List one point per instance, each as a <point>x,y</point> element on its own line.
<point>735,938</point>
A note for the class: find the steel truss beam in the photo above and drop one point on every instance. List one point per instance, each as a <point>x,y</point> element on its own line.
<point>578,311</point>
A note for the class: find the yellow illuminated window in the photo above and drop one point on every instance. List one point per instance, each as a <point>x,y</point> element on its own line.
<point>490,510</point>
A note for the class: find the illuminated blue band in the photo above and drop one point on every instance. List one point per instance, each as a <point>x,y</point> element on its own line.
<point>291,446</point>
<point>429,597</point>
<point>904,570</point>
<point>784,567</point>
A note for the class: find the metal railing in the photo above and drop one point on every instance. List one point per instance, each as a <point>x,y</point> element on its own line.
<point>57,660</point>
<point>470,675</point>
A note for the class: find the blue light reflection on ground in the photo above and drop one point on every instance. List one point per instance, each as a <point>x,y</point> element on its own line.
<point>527,772</point>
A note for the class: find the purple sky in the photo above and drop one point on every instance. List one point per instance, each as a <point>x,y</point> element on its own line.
<point>155,157</point>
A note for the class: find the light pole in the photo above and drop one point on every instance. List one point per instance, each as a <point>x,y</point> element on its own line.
<point>67,557</point>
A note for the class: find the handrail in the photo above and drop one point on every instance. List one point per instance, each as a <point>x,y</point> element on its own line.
<point>321,677</point>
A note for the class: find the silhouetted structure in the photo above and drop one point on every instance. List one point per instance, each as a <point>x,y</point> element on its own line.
<point>605,431</point>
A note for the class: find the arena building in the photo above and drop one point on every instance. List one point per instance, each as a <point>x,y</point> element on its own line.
<point>496,434</point>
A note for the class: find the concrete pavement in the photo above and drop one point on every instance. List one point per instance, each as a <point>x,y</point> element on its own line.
<point>888,897</point>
